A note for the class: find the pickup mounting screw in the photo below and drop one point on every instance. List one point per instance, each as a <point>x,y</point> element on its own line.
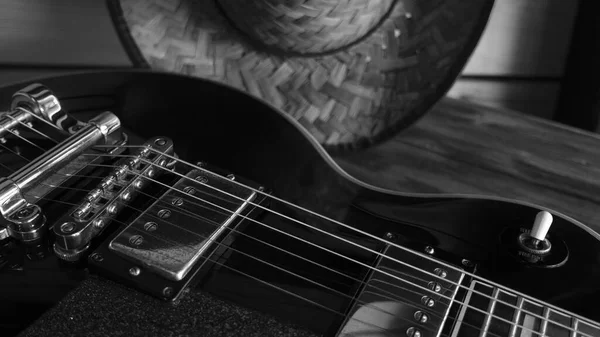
<point>202,179</point>
<point>67,227</point>
<point>164,213</point>
<point>189,190</point>
<point>441,272</point>
<point>150,226</point>
<point>412,332</point>
<point>428,301</point>
<point>421,317</point>
<point>177,201</point>
<point>167,292</point>
<point>136,240</point>
<point>231,176</point>
<point>467,263</point>
<point>134,271</point>
<point>435,286</point>
<point>97,257</point>
<point>389,236</point>
<point>160,142</point>
<point>429,250</point>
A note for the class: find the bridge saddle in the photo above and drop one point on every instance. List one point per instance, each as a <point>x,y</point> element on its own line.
<point>75,230</point>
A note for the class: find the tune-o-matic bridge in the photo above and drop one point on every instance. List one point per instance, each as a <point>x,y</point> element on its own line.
<point>75,230</point>
<point>187,228</point>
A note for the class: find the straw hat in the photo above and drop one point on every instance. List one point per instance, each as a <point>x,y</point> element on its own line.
<point>352,72</point>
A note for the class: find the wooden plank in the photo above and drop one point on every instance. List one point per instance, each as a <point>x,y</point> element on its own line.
<point>538,98</point>
<point>59,32</point>
<point>464,148</point>
<point>525,38</point>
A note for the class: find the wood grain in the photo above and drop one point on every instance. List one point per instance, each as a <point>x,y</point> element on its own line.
<point>59,32</point>
<point>465,148</point>
<point>525,38</point>
<point>537,98</point>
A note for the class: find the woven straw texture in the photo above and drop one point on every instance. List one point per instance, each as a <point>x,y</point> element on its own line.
<point>306,26</point>
<point>349,98</point>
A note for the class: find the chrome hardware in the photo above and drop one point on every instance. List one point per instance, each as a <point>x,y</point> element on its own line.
<point>70,255</point>
<point>178,239</point>
<point>428,301</point>
<point>177,201</point>
<point>37,99</point>
<point>150,226</point>
<point>429,250</point>
<point>13,188</point>
<point>164,213</point>
<point>533,245</point>
<point>32,100</point>
<point>413,332</point>
<point>27,224</point>
<point>134,271</point>
<point>440,272</point>
<point>435,286</point>
<point>421,317</point>
<point>117,189</point>
<point>67,227</point>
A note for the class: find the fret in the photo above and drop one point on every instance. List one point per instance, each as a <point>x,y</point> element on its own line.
<point>511,315</point>
<point>574,326</point>
<point>517,317</point>
<point>463,311</point>
<point>588,329</point>
<point>528,327</point>
<point>490,311</point>
<point>544,326</point>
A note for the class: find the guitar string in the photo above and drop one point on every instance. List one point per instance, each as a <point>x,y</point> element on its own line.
<point>353,298</point>
<point>485,295</point>
<point>383,256</point>
<point>364,304</point>
<point>343,315</point>
<point>257,191</point>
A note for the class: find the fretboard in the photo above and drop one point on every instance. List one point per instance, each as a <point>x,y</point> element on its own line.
<point>490,311</point>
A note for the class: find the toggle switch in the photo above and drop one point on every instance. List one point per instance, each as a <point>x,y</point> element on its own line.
<point>535,241</point>
<point>541,225</point>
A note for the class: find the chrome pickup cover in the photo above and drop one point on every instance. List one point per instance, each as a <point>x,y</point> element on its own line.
<point>173,234</point>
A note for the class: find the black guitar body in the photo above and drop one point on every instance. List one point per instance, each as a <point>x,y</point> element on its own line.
<point>231,131</point>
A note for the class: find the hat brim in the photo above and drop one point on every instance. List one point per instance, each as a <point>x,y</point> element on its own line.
<point>348,99</point>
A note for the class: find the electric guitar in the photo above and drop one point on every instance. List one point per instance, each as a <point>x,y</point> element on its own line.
<point>148,204</point>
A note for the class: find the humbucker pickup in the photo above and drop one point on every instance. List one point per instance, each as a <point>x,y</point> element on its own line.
<point>168,243</point>
<point>175,232</point>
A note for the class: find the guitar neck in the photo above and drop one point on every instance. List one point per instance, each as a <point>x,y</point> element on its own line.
<point>491,311</point>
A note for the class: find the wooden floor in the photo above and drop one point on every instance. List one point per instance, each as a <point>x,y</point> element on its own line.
<point>463,148</point>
